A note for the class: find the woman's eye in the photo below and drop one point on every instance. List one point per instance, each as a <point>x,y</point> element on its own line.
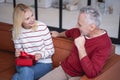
<point>27,18</point>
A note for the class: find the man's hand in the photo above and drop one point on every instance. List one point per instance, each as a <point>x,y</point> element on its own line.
<point>54,33</point>
<point>80,44</point>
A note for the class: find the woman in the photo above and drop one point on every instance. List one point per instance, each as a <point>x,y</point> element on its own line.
<point>32,37</point>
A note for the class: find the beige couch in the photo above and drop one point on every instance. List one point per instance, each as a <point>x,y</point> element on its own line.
<point>111,70</point>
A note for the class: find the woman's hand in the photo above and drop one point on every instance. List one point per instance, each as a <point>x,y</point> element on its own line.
<point>17,53</point>
<point>38,56</point>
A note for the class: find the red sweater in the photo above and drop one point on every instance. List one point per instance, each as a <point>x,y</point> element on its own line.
<point>98,50</point>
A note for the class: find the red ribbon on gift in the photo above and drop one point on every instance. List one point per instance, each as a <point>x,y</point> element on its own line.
<point>25,59</point>
<point>26,55</point>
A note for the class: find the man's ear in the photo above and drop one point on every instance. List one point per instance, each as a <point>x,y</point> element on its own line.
<point>92,27</point>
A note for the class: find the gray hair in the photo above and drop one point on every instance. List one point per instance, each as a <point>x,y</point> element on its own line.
<point>93,16</point>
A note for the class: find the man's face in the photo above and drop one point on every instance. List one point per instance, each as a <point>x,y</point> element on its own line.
<point>83,25</point>
<point>29,20</point>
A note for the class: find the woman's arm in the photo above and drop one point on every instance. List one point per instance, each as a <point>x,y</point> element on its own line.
<point>48,43</point>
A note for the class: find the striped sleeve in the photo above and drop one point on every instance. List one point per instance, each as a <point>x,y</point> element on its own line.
<point>49,48</point>
<point>17,44</point>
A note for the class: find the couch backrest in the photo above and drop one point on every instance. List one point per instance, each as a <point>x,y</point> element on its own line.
<point>6,43</point>
<point>62,49</point>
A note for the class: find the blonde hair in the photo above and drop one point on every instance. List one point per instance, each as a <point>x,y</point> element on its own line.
<point>18,17</point>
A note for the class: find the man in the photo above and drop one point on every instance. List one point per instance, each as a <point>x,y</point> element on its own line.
<point>91,48</point>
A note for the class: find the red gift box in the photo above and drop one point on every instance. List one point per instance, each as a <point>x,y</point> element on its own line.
<point>25,59</point>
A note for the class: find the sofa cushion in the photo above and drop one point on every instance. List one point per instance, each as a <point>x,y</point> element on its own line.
<point>6,42</point>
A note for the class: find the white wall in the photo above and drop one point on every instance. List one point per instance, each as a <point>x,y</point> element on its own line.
<point>50,16</point>
<point>115,4</point>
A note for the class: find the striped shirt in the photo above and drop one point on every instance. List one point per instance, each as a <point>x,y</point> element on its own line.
<point>38,41</point>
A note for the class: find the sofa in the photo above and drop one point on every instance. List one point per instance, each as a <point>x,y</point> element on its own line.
<point>63,46</point>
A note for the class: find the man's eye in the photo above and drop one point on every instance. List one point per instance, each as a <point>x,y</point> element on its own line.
<point>32,15</point>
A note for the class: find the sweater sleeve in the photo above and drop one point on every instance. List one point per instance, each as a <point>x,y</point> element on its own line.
<point>73,33</point>
<point>92,66</point>
<point>49,48</point>
<point>17,44</point>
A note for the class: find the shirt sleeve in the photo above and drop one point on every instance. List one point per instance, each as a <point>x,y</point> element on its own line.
<point>73,33</point>
<point>92,66</point>
<point>17,44</point>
